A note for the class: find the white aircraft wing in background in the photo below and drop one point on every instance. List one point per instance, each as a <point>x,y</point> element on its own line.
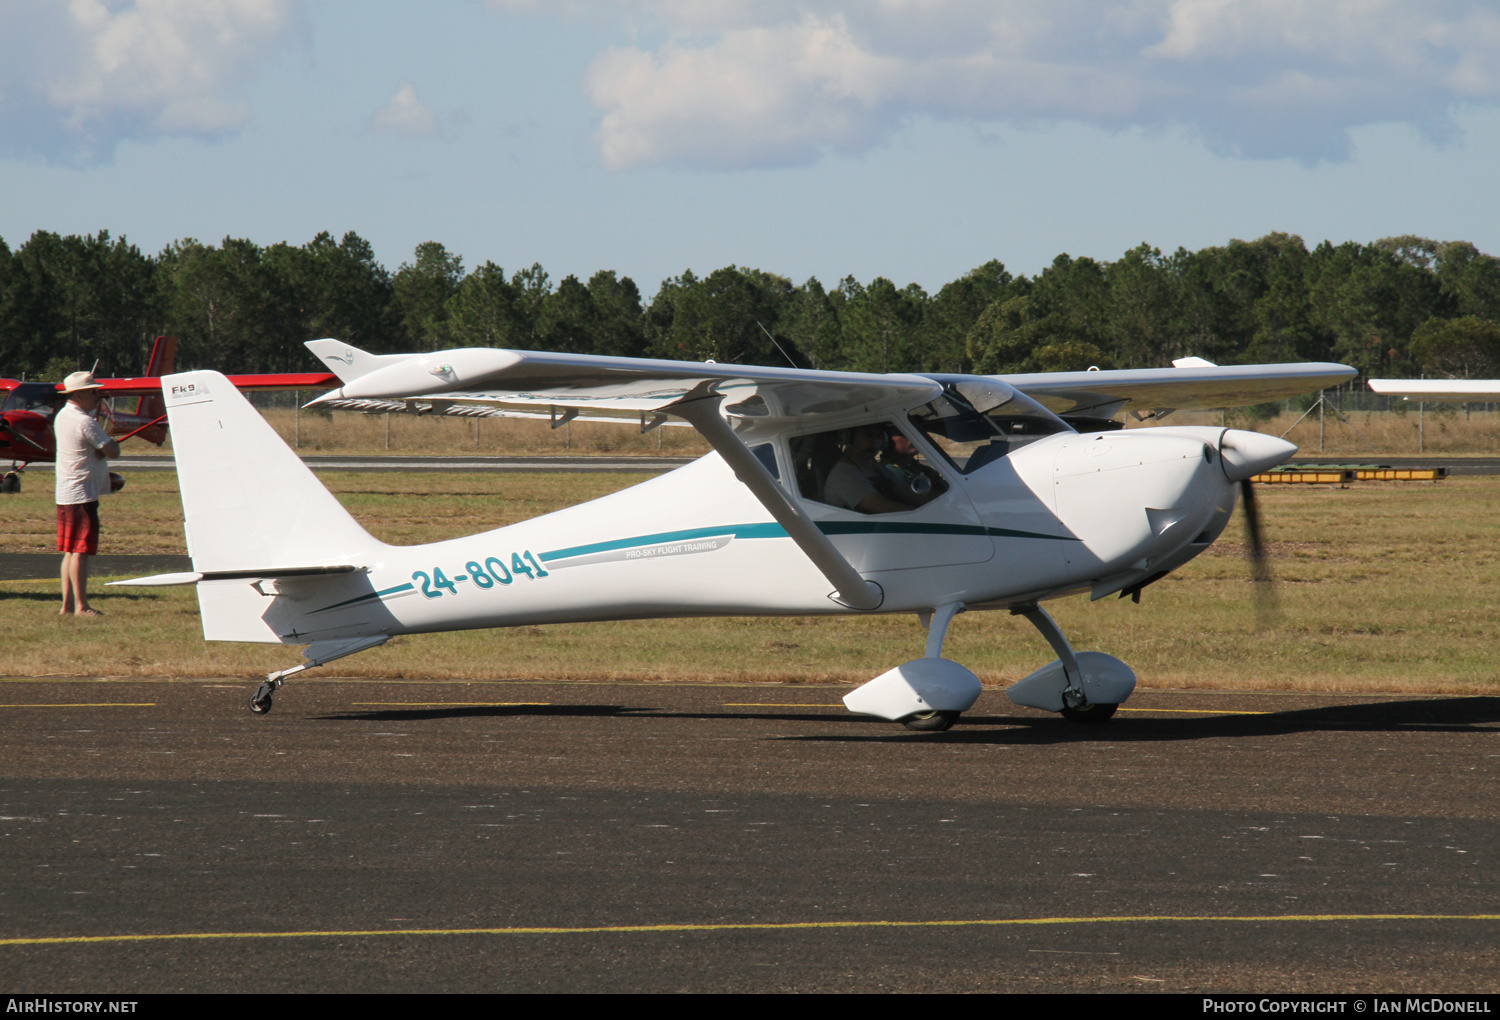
<point>1438,389</point>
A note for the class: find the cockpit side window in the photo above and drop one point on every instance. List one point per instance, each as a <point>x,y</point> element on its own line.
<point>871,468</point>
<point>970,439</point>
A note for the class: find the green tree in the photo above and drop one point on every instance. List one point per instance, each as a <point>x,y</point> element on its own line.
<point>1370,300</point>
<point>1143,324</point>
<point>951,315</point>
<point>720,317</point>
<point>1010,337</point>
<point>485,312</point>
<point>568,320</point>
<point>811,324</point>
<point>228,309</point>
<point>1469,280</point>
<point>617,315</point>
<point>84,299</point>
<point>340,290</point>
<point>422,289</point>
<point>881,326</point>
<point>1465,348</point>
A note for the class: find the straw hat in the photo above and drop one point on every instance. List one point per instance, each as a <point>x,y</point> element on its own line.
<point>80,381</point>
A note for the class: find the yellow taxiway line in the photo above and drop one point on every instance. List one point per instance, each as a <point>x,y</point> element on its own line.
<point>1194,711</point>
<point>92,704</point>
<point>778,704</point>
<point>456,704</point>
<point>646,929</point>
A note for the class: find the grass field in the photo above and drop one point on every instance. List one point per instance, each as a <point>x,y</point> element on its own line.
<point>1382,587</point>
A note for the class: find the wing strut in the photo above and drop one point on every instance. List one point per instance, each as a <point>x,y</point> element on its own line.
<point>854,591</point>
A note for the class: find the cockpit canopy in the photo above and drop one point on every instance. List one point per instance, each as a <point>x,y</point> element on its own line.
<point>40,398</point>
<point>977,421</point>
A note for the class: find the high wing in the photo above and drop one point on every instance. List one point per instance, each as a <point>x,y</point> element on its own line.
<point>1438,389</point>
<point>1192,384</point>
<point>452,382</point>
<point>444,379</point>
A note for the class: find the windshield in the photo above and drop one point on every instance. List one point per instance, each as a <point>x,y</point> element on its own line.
<point>39,397</point>
<point>971,439</point>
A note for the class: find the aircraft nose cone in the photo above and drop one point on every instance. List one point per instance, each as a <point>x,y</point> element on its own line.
<point>1249,453</point>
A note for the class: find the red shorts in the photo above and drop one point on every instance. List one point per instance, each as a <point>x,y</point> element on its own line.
<point>78,528</point>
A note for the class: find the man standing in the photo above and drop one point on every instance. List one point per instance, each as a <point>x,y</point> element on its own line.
<point>82,475</point>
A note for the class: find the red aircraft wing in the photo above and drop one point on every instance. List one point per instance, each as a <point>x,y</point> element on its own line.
<point>146,385</point>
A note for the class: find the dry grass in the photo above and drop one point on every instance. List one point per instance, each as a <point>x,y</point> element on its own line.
<point>1441,430</point>
<point>1383,587</point>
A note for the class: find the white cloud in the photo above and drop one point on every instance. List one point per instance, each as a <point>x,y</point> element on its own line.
<point>405,114</point>
<point>77,77</point>
<point>776,82</point>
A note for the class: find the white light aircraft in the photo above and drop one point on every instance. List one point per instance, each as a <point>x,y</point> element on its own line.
<point>826,493</point>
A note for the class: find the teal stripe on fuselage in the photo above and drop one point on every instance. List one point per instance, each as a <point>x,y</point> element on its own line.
<point>737,530</point>
<point>777,531</point>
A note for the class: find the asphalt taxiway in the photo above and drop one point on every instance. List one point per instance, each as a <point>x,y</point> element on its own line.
<point>404,835</point>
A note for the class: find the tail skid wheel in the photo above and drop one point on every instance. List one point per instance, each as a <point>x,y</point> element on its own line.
<point>260,701</point>
<point>1092,714</point>
<point>930,722</point>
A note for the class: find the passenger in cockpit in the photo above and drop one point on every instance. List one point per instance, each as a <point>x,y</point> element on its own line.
<point>859,482</point>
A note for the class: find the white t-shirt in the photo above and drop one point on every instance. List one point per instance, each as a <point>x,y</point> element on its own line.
<point>81,473</point>
<point>847,486</point>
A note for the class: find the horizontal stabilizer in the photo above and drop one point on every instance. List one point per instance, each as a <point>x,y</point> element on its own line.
<point>194,576</point>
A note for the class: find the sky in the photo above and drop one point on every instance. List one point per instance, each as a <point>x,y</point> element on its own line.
<point>911,139</point>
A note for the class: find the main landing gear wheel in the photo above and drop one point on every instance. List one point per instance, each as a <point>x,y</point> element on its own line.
<point>1092,714</point>
<point>10,483</point>
<point>930,722</point>
<point>260,701</point>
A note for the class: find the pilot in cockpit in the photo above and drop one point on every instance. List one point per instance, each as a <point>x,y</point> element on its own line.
<point>861,482</point>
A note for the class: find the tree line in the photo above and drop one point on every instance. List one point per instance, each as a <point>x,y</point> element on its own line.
<point>1399,306</point>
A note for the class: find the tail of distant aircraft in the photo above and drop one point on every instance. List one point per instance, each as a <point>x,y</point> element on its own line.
<point>163,362</point>
<point>348,362</point>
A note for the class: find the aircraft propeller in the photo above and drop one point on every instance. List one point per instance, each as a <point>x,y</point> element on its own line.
<point>1260,565</point>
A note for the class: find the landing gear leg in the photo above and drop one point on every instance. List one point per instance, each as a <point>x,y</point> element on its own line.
<point>937,630</point>
<point>316,654</point>
<point>1076,705</point>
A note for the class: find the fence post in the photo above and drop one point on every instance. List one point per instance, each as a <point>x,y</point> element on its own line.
<point>297,417</point>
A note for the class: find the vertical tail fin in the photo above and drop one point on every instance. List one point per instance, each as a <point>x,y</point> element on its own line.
<point>248,501</point>
<point>348,362</point>
<point>163,362</point>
